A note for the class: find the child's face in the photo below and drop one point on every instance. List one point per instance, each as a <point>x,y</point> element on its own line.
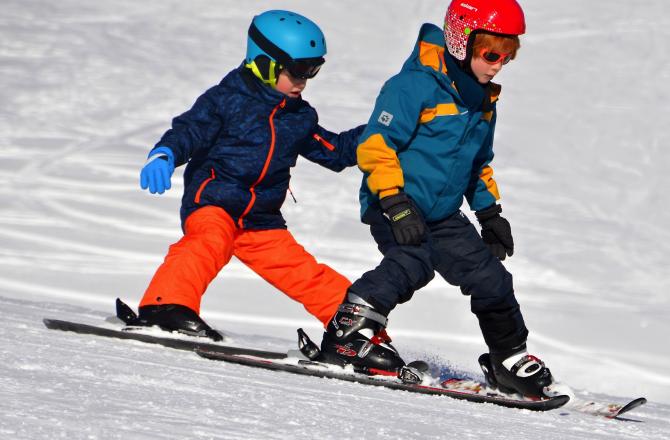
<point>289,85</point>
<point>485,71</point>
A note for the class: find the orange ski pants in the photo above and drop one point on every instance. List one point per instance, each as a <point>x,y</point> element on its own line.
<point>211,238</point>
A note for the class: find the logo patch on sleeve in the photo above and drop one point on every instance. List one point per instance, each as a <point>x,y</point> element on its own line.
<point>385,118</point>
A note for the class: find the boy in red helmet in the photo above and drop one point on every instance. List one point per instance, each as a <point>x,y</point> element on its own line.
<point>428,144</point>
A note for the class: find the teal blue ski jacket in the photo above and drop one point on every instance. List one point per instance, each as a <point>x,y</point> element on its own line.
<point>431,135</point>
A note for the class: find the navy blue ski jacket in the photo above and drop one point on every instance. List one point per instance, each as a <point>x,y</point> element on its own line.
<point>240,140</point>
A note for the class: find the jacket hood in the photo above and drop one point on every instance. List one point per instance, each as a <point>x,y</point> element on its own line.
<point>429,50</point>
<point>430,55</point>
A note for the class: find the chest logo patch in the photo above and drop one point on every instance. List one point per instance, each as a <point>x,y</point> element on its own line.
<point>385,118</point>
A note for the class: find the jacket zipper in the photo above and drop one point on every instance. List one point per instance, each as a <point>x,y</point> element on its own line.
<point>252,189</point>
<point>203,185</point>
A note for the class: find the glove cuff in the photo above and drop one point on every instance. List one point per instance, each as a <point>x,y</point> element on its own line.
<point>162,150</point>
<point>390,201</point>
<point>488,213</point>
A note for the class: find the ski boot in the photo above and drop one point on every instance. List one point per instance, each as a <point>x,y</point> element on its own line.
<point>520,373</point>
<point>356,335</point>
<point>169,317</point>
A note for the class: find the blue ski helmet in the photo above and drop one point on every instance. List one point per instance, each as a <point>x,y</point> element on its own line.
<point>285,40</point>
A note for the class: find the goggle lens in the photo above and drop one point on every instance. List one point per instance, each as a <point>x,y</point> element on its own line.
<point>305,68</point>
<point>492,57</point>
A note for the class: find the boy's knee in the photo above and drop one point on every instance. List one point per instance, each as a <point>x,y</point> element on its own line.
<point>412,264</point>
<point>487,281</point>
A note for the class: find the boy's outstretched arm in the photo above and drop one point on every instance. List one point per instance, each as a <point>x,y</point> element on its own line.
<point>190,131</point>
<point>331,150</point>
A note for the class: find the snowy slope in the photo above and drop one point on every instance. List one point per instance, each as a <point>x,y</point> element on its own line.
<point>61,384</point>
<point>89,87</point>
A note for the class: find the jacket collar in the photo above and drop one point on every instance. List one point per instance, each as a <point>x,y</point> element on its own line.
<point>259,91</point>
<point>430,54</point>
<point>474,95</point>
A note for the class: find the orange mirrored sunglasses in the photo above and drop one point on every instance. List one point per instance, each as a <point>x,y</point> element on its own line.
<point>493,57</point>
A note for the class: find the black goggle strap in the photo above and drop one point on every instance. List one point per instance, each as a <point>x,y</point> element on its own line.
<point>268,46</point>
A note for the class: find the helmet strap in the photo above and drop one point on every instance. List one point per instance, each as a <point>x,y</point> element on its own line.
<point>466,64</point>
<point>265,69</point>
<point>468,50</point>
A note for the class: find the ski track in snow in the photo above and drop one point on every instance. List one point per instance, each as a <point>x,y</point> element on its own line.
<point>580,161</point>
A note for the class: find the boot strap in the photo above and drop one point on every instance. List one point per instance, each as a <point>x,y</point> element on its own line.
<point>364,311</point>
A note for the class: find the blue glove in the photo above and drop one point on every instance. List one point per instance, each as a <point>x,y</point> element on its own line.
<point>157,171</point>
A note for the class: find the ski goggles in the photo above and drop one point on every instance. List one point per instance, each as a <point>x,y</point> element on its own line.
<point>301,68</point>
<point>304,68</point>
<point>493,57</point>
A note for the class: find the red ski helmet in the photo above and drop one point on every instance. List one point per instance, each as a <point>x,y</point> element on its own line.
<point>467,16</point>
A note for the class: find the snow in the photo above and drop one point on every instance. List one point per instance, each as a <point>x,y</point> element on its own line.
<point>88,87</point>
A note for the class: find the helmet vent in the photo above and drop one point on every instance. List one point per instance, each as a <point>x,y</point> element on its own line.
<point>312,43</point>
<point>298,21</point>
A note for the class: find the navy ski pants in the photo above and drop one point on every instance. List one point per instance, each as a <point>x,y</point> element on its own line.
<point>455,250</point>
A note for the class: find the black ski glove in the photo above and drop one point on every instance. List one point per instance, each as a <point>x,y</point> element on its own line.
<point>407,222</point>
<point>496,231</point>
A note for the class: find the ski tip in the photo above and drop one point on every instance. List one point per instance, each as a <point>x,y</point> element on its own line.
<point>635,403</point>
<point>560,400</point>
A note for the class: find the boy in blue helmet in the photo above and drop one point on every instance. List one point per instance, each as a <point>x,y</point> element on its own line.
<point>239,141</point>
<point>429,145</point>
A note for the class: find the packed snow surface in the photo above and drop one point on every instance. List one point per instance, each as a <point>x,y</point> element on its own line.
<point>582,154</point>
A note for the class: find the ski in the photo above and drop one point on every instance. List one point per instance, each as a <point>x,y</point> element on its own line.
<point>281,361</point>
<point>457,388</point>
<point>189,344</point>
<point>450,388</point>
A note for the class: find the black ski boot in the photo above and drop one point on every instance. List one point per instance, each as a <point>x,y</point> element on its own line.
<point>175,317</point>
<point>356,335</point>
<point>527,376</point>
